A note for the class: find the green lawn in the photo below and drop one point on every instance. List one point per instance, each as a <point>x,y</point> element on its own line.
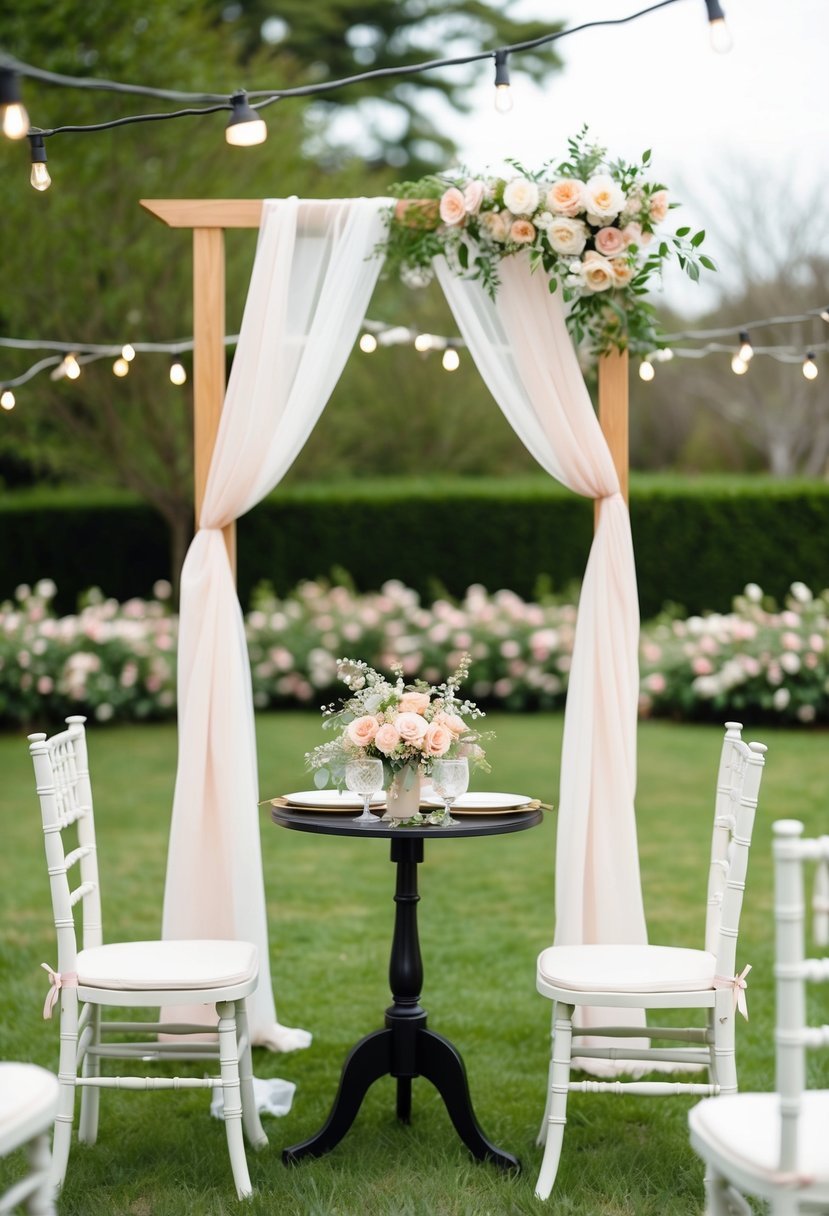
<point>486,911</point>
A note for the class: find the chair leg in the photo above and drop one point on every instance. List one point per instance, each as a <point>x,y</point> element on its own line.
<point>229,1061</point>
<point>250,1115</point>
<point>66,1085</point>
<point>559,1088</point>
<point>42,1201</point>
<point>722,1050</point>
<point>91,1094</point>
<point>541,1138</point>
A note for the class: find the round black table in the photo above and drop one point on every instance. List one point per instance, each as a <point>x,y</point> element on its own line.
<point>405,1048</point>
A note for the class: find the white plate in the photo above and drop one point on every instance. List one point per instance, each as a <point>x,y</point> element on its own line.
<point>330,800</point>
<point>483,801</point>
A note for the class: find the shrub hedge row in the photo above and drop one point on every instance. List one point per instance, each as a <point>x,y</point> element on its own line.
<point>697,542</point>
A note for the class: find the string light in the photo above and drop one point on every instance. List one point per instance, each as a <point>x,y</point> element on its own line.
<point>738,366</point>
<point>121,367</point>
<point>451,360</point>
<point>39,176</point>
<point>70,368</point>
<point>824,315</point>
<point>128,352</point>
<point>746,349</point>
<point>7,399</point>
<point>646,370</point>
<point>721,40</point>
<point>503,92</point>
<point>15,118</point>
<point>809,366</point>
<point>244,127</point>
<point>368,344</point>
<point>424,342</point>
<point>178,375</point>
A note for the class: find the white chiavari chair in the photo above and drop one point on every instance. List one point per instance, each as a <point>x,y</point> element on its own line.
<point>28,1104</point>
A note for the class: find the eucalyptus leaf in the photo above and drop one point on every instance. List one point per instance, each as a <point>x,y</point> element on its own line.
<point>321,778</point>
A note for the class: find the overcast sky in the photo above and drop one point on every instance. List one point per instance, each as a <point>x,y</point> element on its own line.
<point>655,83</point>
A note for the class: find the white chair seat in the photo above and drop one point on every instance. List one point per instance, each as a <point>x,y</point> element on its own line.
<point>167,965</point>
<point>745,1128</point>
<point>28,1101</point>
<point>627,968</point>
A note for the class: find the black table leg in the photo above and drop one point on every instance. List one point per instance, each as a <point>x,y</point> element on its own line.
<point>405,1049</point>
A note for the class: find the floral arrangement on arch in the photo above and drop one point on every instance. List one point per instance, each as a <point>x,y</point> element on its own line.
<point>590,224</point>
<point>407,726</point>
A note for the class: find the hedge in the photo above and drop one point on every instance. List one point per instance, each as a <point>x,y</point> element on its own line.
<point>697,542</point>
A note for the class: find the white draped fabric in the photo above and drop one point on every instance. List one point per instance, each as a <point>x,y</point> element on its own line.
<point>312,279</point>
<point>524,353</point>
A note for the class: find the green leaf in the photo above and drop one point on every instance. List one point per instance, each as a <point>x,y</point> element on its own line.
<point>646,156</point>
<point>683,231</point>
<point>692,271</point>
<point>698,238</point>
<point>707,262</point>
<point>321,778</point>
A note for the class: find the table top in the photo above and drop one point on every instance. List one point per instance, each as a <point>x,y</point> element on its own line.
<point>328,823</point>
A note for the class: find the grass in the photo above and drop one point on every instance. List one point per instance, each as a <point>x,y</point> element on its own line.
<point>486,911</point>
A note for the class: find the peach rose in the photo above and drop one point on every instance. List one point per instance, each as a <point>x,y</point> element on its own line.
<point>452,207</point>
<point>410,727</point>
<point>473,196</point>
<point>522,232</point>
<point>566,196</point>
<point>413,703</point>
<point>386,739</point>
<point>362,730</point>
<point>597,272</point>
<point>567,236</point>
<point>521,196</point>
<point>437,740</point>
<point>610,242</point>
<point>455,723</point>
<point>496,224</point>
<point>659,206</point>
<point>603,197</point>
<point>622,272</point>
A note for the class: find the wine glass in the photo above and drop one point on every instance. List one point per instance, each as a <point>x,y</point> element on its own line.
<point>364,777</point>
<point>450,779</point>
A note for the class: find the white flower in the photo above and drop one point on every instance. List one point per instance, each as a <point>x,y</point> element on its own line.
<point>521,196</point>
<point>597,272</point>
<point>799,590</point>
<point>416,276</point>
<point>752,592</point>
<point>543,219</point>
<point>566,235</point>
<point>781,698</point>
<point>604,198</point>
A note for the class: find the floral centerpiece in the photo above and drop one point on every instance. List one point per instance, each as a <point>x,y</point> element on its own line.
<point>588,223</point>
<point>407,726</point>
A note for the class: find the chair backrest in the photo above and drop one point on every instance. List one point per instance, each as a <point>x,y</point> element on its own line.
<point>738,786</point>
<point>792,972</point>
<point>63,786</point>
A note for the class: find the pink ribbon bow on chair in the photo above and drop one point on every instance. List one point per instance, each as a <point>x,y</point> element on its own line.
<point>738,985</point>
<point>57,981</point>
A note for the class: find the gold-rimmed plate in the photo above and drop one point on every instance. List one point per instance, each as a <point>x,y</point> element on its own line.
<point>328,800</point>
<point>483,802</point>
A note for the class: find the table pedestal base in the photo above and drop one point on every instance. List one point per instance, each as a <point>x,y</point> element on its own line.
<point>406,1048</point>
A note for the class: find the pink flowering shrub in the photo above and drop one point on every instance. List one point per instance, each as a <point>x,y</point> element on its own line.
<point>117,661</point>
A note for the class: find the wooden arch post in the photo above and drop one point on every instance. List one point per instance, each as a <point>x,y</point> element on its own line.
<point>208,219</point>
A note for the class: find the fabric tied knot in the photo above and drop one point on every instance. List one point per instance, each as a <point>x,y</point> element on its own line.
<point>737,983</point>
<point>69,979</point>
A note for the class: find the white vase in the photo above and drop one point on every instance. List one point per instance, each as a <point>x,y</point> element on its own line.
<point>402,802</point>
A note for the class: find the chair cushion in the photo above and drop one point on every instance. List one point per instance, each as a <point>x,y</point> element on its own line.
<point>26,1092</point>
<point>168,965</point>
<point>627,968</point>
<point>746,1128</point>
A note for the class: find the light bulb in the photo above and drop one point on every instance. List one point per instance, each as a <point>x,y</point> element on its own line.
<point>721,40</point>
<point>177,373</point>
<point>824,315</point>
<point>746,349</point>
<point>368,344</point>
<point>810,367</point>
<point>244,127</point>
<point>71,367</point>
<point>423,342</point>
<point>128,352</point>
<point>646,371</point>
<point>738,366</point>
<point>121,367</point>
<point>7,399</point>
<point>451,360</point>
<point>503,92</point>
<point>39,176</point>
<point>15,119</point>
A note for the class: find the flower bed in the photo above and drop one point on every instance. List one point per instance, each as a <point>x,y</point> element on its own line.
<point>117,661</point>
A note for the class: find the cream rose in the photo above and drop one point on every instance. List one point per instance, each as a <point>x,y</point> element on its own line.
<point>522,232</point>
<point>603,197</point>
<point>386,739</point>
<point>597,272</point>
<point>413,703</point>
<point>659,206</point>
<point>610,242</point>
<point>473,196</point>
<point>453,721</point>
<point>410,727</point>
<point>438,739</point>
<point>622,272</point>
<point>567,236</point>
<point>566,196</point>
<point>362,730</point>
<point>496,224</point>
<point>452,207</point>
<point>521,196</point>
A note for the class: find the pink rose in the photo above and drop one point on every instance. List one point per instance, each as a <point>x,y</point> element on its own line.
<point>410,727</point>
<point>386,739</point>
<point>438,739</point>
<point>413,703</point>
<point>452,207</point>
<point>473,196</point>
<point>566,196</point>
<point>455,723</point>
<point>610,242</point>
<point>522,232</point>
<point>362,730</point>
<point>659,206</point>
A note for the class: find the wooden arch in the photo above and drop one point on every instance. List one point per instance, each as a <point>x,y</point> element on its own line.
<point>208,219</point>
